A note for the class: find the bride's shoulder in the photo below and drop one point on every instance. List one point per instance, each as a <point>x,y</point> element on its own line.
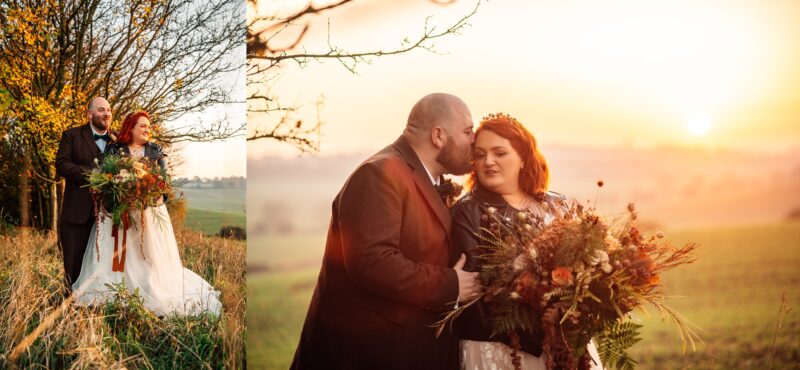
<point>468,203</point>
<point>556,196</point>
<point>154,145</point>
<point>156,148</point>
<point>558,199</point>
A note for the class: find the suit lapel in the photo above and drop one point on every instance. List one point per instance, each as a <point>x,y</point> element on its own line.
<point>86,133</point>
<point>424,185</point>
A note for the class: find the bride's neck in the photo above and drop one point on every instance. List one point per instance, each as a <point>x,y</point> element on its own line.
<point>516,199</point>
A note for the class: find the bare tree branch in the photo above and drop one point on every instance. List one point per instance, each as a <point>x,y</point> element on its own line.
<point>257,46</point>
<point>265,60</point>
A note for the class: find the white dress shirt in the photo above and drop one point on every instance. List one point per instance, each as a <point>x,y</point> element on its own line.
<point>434,181</point>
<point>100,142</point>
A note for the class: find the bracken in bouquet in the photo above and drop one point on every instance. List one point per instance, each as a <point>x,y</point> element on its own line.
<point>120,184</point>
<point>573,280</point>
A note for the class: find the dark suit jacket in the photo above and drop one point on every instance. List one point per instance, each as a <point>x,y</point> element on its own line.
<point>385,275</point>
<point>77,151</point>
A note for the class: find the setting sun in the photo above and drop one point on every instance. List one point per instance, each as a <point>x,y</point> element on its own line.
<point>698,124</point>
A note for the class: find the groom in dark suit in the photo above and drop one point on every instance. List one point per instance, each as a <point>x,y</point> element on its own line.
<point>77,151</point>
<point>386,274</point>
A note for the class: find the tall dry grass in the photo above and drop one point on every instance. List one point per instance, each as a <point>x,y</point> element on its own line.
<point>40,328</point>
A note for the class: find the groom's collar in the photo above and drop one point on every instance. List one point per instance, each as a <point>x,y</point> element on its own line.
<point>404,147</point>
<point>433,181</point>
<point>94,131</point>
<point>424,183</point>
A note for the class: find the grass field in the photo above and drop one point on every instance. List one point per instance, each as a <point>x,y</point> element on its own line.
<point>733,293</point>
<point>209,222</point>
<point>40,329</point>
<point>210,209</point>
<point>229,200</point>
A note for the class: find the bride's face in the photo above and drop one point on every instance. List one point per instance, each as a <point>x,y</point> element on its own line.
<point>496,163</point>
<point>141,132</point>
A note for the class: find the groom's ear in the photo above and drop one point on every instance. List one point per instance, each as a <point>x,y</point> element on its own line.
<point>438,137</point>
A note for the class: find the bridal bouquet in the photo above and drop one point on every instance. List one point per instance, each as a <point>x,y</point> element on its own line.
<point>574,280</point>
<point>120,184</point>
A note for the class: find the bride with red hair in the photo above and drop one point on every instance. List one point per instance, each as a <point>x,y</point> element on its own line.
<point>153,264</point>
<point>510,175</point>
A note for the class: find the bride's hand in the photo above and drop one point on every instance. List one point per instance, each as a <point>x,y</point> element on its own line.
<point>468,285</point>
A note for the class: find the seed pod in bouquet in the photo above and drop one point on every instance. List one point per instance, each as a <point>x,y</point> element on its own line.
<point>612,244</point>
<point>533,253</point>
<point>522,262</point>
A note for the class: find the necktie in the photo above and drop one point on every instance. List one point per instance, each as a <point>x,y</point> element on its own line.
<point>105,137</point>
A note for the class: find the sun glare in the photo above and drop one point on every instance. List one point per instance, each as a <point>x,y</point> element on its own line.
<point>698,124</point>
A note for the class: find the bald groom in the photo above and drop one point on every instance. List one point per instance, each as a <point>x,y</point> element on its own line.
<point>77,150</point>
<point>386,274</point>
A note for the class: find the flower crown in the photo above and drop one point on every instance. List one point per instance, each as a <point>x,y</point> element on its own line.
<point>504,117</point>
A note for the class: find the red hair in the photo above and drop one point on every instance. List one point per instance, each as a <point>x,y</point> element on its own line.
<point>128,124</point>
<point>534,177</point>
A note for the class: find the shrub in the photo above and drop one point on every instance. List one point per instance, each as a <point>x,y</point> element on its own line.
<point>232,232</point>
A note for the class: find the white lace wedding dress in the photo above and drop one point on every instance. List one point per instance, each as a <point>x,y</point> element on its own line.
<point>477,355</point>
<point>152,265</point>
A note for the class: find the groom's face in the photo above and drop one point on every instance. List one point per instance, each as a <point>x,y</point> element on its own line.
<point>99,114</point>
<point>456,154</point>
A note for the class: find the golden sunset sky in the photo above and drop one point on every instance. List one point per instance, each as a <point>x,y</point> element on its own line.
<point>713,74</point>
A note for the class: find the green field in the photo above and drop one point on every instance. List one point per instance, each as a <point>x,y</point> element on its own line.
<point>209,222</point>
<point>733,293</point>
<point>230,200</point>
<point>210,209</point>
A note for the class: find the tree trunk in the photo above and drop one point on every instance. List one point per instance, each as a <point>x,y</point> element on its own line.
<point>53,199</point>
<point>39,222</point>
<point>25,191</point>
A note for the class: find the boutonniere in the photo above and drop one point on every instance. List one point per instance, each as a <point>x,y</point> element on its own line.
<point>449,191</point>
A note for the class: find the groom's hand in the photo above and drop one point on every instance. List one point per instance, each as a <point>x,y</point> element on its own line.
<point>468,285</point>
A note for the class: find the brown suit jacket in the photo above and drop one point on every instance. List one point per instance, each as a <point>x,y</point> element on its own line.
<point>385,275</point>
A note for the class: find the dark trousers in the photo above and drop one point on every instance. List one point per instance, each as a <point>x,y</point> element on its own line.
<point>73,239</point>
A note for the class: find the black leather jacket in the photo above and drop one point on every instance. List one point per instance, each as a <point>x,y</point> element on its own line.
<point>475,322</point>
<point>151,150</point>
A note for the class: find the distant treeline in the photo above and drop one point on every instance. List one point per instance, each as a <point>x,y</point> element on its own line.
<point>215,183</point>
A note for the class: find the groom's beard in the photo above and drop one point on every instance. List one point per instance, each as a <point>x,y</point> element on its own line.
<point>455,160</point>
<point>99,123</point>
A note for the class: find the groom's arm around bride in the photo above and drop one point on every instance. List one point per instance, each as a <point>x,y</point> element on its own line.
<point>386,273</point>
